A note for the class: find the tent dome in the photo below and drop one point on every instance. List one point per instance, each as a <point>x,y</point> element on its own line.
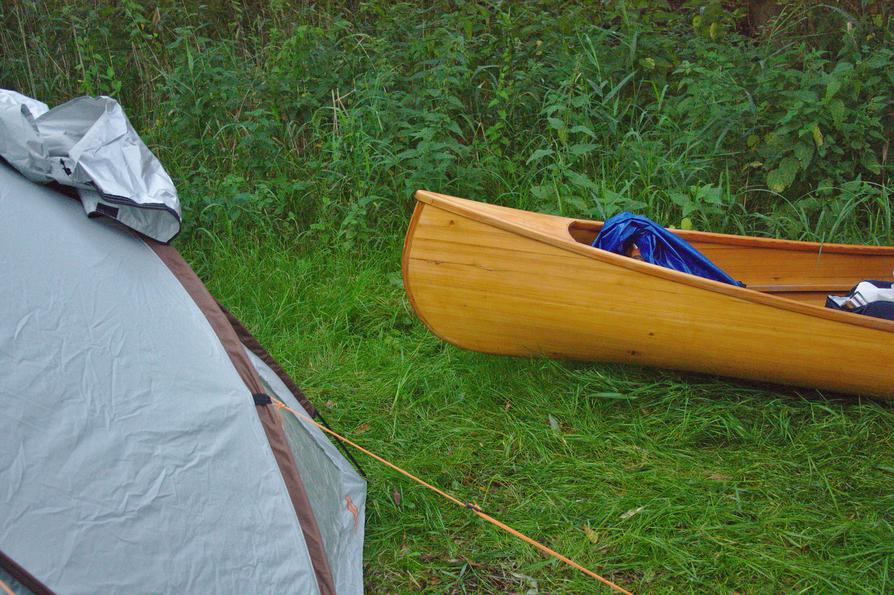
<point>140,450</point>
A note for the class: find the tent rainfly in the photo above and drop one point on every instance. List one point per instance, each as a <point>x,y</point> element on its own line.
<point>141,450</point>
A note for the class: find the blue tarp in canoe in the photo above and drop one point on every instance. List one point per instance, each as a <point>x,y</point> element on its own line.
<point>657,246</point>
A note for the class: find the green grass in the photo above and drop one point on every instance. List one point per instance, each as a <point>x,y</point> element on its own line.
<point>660,481</point>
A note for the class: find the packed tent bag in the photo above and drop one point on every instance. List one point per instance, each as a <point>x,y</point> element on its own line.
<point>89,144</point>
<point>657,246</point>
<point>869,298</point>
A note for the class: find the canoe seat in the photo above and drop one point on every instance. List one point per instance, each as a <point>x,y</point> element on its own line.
<point>798,271</point>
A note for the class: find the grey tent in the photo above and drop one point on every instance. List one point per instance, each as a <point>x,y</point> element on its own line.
<point>140,446</point>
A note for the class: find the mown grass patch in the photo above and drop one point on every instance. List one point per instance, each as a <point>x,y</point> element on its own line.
<point>659,480</point>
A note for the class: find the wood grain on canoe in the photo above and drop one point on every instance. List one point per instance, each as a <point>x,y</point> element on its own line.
<point>506,281</point>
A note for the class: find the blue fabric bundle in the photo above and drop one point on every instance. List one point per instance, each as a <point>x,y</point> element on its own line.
<point>657,246</point>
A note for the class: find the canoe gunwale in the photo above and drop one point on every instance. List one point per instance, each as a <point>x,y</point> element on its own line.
<point>461,207</point>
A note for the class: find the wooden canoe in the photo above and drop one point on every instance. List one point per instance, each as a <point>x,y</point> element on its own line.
<point>505,281</point>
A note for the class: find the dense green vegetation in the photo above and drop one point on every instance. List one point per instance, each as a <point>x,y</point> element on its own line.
<point>328,118</point>
<point>296,135</point>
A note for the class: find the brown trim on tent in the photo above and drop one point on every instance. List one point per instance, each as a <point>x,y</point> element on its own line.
<point>272,422</point>
<point>206,303</point>
<point>255,346</point>
<point>25,578</point>
<point>270,419</point>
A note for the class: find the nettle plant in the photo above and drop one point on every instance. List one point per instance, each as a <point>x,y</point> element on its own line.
<point>829,123</point>
<point>702,202</point>
<point>326,120</point>
<point>794,117</point>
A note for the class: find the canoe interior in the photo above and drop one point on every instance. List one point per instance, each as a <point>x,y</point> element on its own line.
<point>800,271</point>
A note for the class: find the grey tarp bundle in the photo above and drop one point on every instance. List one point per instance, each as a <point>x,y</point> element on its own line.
<point>88,143</point>
<point>132,457</point>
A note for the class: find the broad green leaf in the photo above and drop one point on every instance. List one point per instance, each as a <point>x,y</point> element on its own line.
<point>871,163</point>
<point>580,180</point>
<point>680,199</point>
<point>774,181</point>
<point>710,193</point>
<point>825,186</point>
<point>789,169</point>
<point>836,109</point>
<point>538,155</point>
<point>543,192</point>
<point>832,88</point>
<point>752,141</point>
<point>578,203</point>
<point>843,67</point>
<point>556,123</point>
<point>647,63</point>
<point>804,153</point>
<point>775,138</point>
<point>805,95</point>
<point>583,130</point>
<point>582,148</point>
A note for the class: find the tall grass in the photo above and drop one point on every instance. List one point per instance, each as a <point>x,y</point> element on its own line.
<point>326,117</point>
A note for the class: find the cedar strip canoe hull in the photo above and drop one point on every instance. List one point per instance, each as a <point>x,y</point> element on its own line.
<point>504,281</point>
